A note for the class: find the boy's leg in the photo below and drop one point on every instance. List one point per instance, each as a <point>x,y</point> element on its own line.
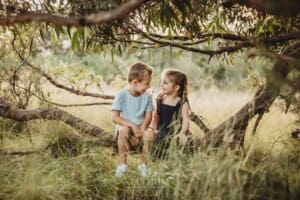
<point>148,142</point>
<point>122,143</point>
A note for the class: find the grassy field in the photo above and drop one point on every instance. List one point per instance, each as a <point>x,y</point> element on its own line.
<point>268,168</point>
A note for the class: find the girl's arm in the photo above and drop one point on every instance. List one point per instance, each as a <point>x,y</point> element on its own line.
<point>185,123</point>
<point>155,118</point>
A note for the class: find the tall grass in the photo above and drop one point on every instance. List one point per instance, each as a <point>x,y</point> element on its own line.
<point>268,167</point>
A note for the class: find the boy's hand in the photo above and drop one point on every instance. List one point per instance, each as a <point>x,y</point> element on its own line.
<point>137,131</point>
<point>134,141</point>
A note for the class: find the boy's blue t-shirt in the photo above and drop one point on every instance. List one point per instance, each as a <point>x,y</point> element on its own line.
<point>133,108</point>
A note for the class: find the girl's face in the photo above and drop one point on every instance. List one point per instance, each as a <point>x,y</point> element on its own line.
<point>167,87</point>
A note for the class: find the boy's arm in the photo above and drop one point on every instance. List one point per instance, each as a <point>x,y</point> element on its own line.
<point>116,118</point>
<point>146,122</point>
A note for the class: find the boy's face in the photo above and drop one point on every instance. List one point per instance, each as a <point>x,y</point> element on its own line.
<point>140,87</point>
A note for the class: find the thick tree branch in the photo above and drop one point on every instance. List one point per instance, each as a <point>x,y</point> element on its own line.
<point>198,121</point>
<point>289,59</point>
<point>52,113</point>
<point>94,19</point>
<point>236,125</point>
<point>276,7</point>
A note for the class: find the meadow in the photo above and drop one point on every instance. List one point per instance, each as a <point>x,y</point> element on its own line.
<point>267,168</point>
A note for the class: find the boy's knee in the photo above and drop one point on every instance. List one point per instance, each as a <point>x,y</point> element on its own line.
<point>123,132</point>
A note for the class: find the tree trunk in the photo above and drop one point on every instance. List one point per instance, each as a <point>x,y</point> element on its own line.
<point>233,130</point>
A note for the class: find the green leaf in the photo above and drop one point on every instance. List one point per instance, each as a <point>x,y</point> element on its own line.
<point>75,40</point>
<point>69,32</point>
<point>42,35</point>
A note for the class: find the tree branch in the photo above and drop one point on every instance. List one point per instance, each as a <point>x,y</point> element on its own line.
<point>64,105</point>
<point>93,19</point>
<point>201,36</point>
<point>278,7</point>
<point>244,42</point>
<point>222,50</point>
<point>52,113</point>
<point>61,86</point>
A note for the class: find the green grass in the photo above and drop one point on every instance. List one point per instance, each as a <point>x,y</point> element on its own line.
<point>268,168</point>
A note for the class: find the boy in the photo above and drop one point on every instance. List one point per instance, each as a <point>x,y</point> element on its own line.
<point>132,112</point>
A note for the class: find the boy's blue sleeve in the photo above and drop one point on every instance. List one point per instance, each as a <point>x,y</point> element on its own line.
<point>149,104</point>
<point>117,104</point>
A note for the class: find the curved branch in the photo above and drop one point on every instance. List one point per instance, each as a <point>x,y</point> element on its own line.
<point>93,19</point>
<point>201,36</point>
<point>227,49</point>
<point>61,86</point>
<point>244,42</point>
<point>271,55</point>
<point>64,105</point>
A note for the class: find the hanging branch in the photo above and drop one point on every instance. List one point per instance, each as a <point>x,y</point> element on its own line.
<point>93,19</point>
<point>64,105</point>
<point>243,41</point>
<point>55,83</point>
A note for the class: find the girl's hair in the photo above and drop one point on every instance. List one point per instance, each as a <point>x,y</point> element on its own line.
<point>139,71</point>
<point>179,78</point>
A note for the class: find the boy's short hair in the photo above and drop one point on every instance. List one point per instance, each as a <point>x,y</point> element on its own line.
<point>139,71</point>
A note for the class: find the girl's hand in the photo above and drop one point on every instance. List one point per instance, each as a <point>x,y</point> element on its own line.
<point>154,131</point>
<point>182,138</point>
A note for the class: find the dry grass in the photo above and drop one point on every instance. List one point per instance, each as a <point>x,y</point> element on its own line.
<point>256,173</point>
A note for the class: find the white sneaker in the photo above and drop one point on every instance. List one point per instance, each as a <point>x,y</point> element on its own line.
<point>143,169</point>
<point>120,170</point>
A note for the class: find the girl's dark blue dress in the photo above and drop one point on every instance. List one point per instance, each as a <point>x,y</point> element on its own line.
<point>167,115</point>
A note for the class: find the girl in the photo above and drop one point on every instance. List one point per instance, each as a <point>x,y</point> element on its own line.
<point>171,115</point>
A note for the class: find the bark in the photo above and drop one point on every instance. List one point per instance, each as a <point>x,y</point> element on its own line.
<point>53,113</point>
<point>198,121</point>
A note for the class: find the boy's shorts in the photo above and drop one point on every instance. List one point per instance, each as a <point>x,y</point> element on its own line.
<point>131,147</point>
